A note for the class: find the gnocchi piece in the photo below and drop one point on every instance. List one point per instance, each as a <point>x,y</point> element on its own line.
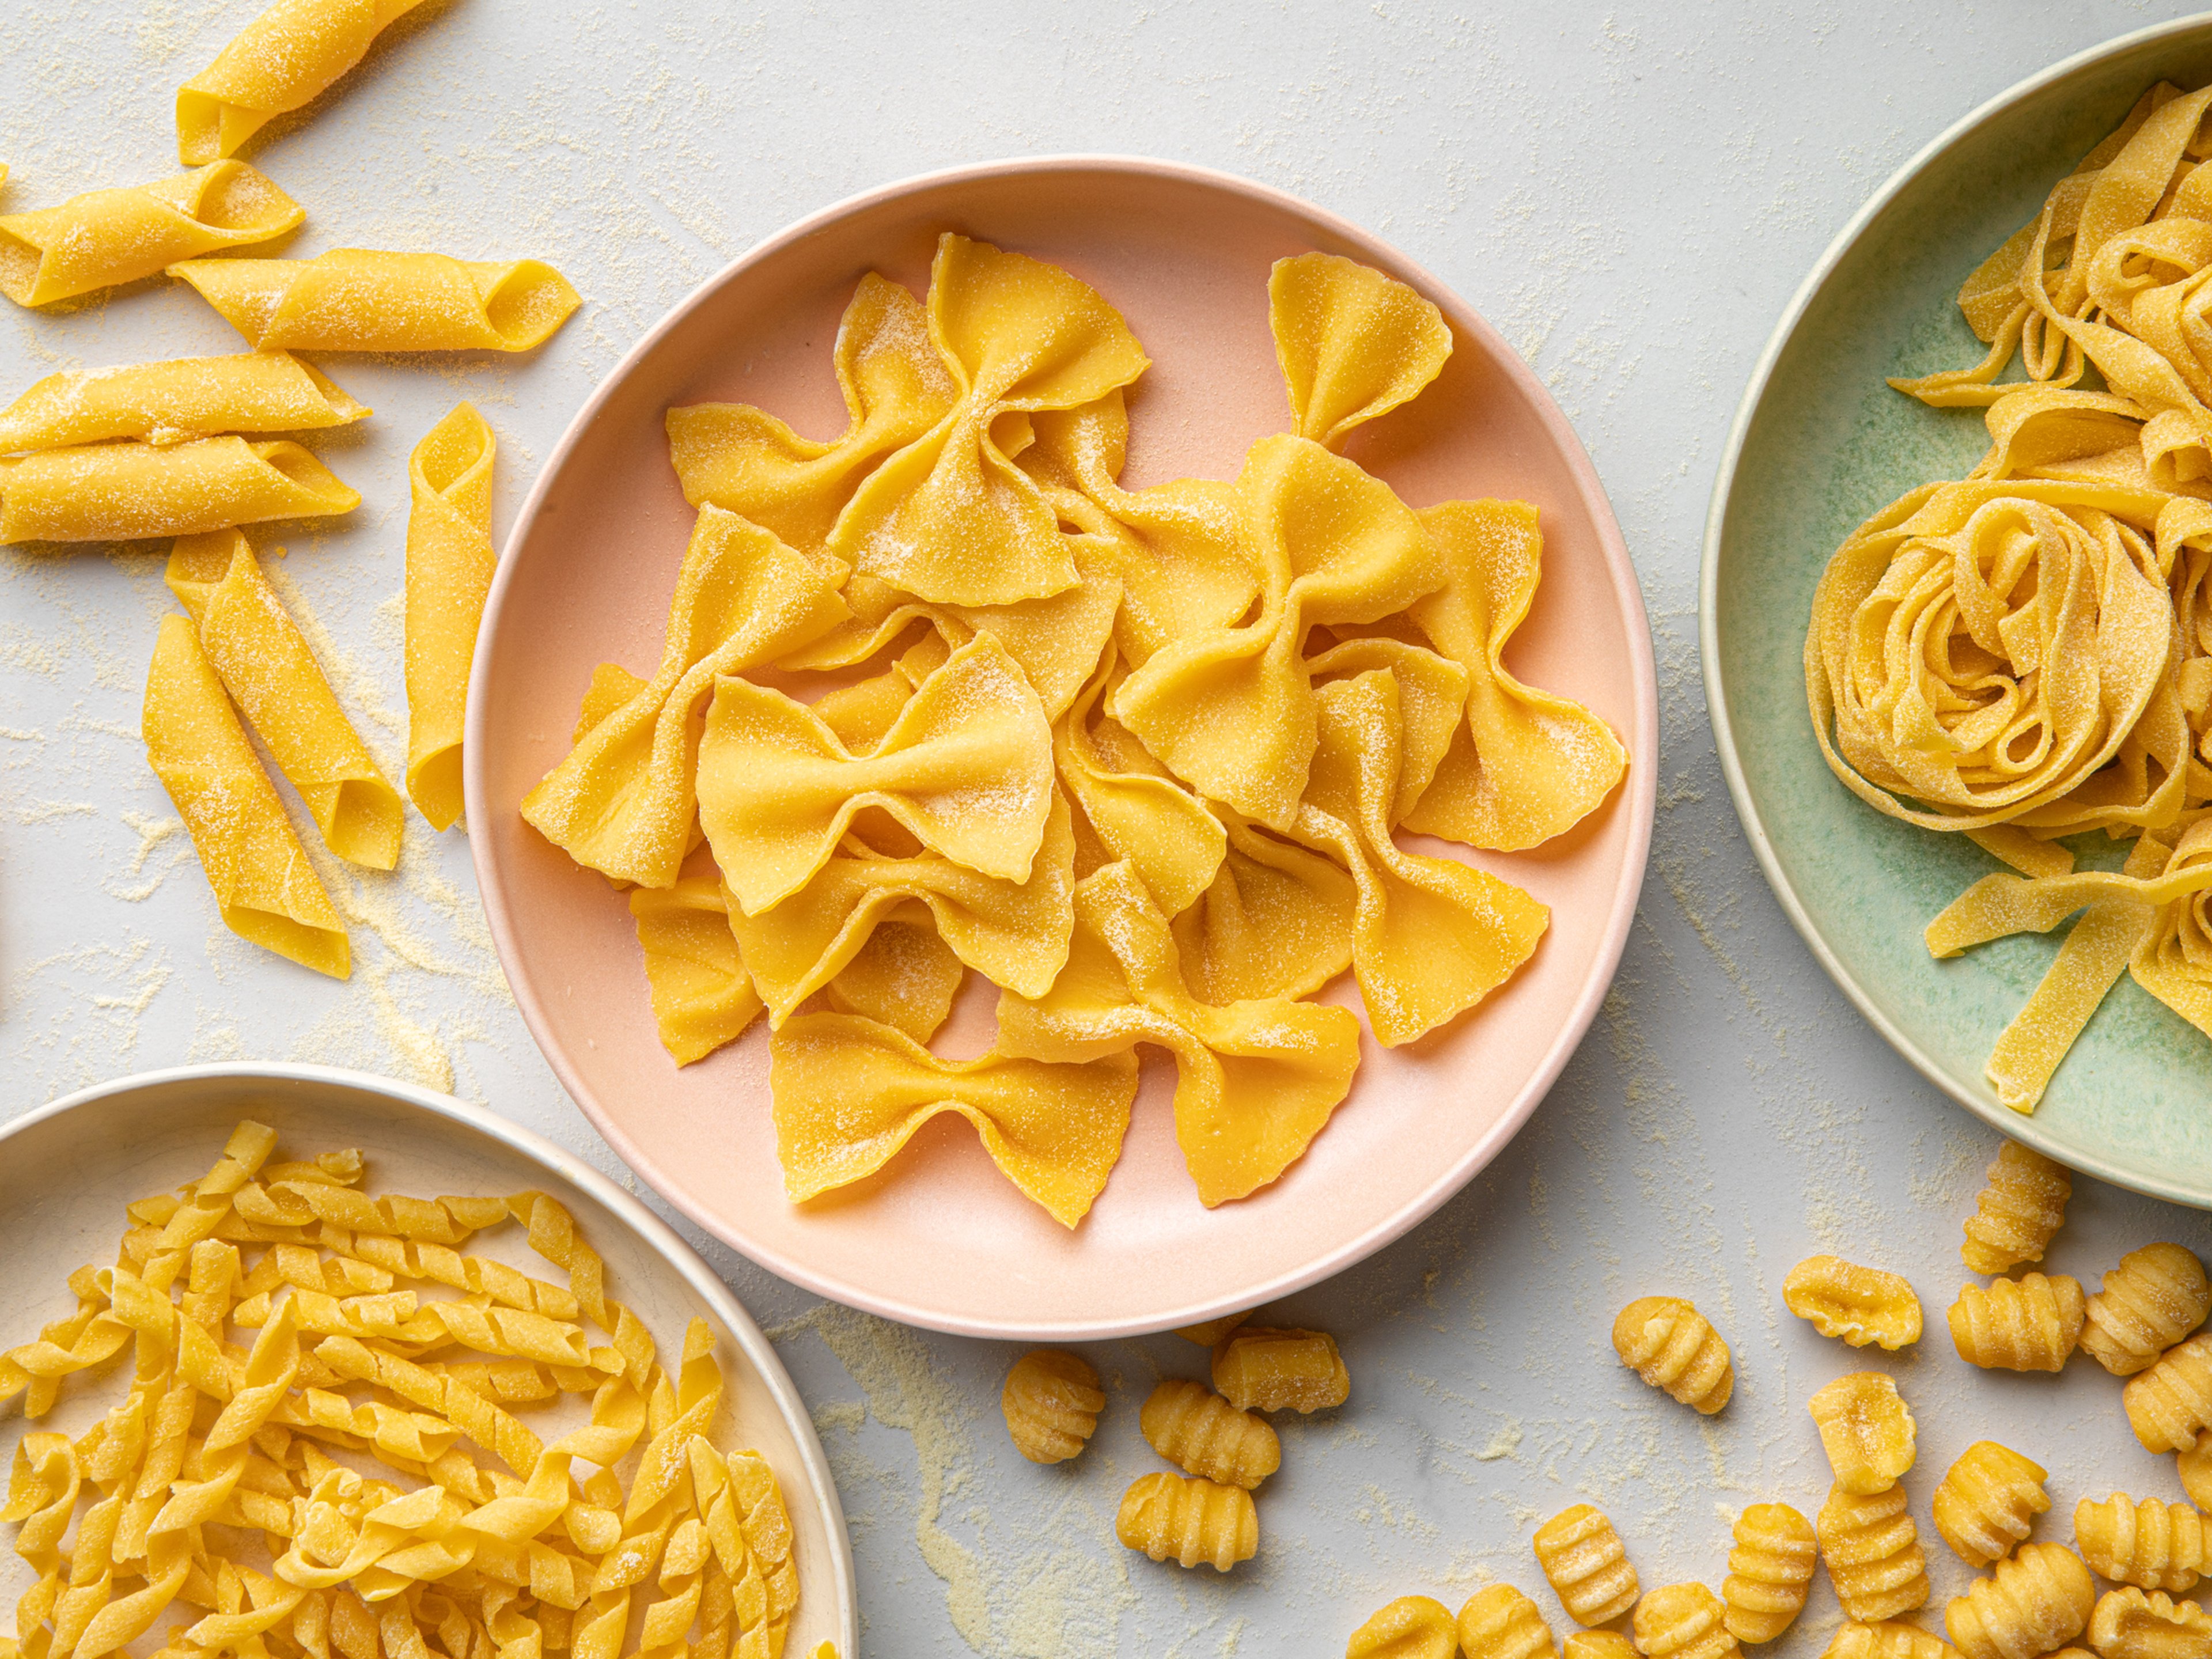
<point>1208,1334</point>
<point>2156,1296</point>
<point>2023,1205</point>
<point>2132,1623</point>
<point>1259,1370</point>
<point>2194,1465</point>
<point>1890,1638</point>
<point>1588,1565</point>
<point>2025,1324</point>
<point>2038,1600</point>
<point>1202,1434</point>
<point>2169,1402</point>
<point>1188,1520</point>
<point>1671,1345</point>
<point>1857,1304</point>
<point>1873,1554</point>
<point>1770,1570</point>
<point>1598,1645</point>
<point>1411,1627</point>
<point>1683,1621</point>
<point>1866,1431</point>
<point>2151,1545</point>
<point>1987,1502</point>
<point>1501,1622</point>
<point>1052,1401</point>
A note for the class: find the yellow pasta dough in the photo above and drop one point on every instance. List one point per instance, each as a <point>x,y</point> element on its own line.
<point>263,885</point>
<point>1188,1520</point>
<point>1352,343</point>
<point>360,299</point>
<point>1988,1501</point>
<point>1500,1622</point>
<point>1858,1304</point>
<point>1262,1369</point>
<point>449,570</point>
<point>1202,1433</point>
<point>1866,1430</point>
<point>1411,1627</point>
<point>279,62</point>
<point>115,492</point>
<point>701,996</point>
<point>265,666</point>
<point>1051,1400</point>
<point>173,402</point>
<point>110,237</point>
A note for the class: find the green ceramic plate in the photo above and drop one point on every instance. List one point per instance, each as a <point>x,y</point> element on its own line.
<point>1819,443</point>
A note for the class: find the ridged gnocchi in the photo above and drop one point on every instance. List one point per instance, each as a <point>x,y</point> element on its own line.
<point>1866,1431</point>
<point>1171,1517</point>
<point>1598,1645</point>
<point>1587,1563</point>
<point>1501,1622</point>
<point>1682,1621</point>
<point>2135,1623</point>
<point>2169,1403</point>
<point>1855,1304</point>
<point>1873,1554</point>
<point>1889,1638</point>
<point>1671,1345</point>
<point>2151,1545</point>
<point>1202,1434</point>
<point>1411,1627</point>
<point>1259,1369</point>
<point>1052,1401</point>
<point>2038,1600</point>
<point>2021,1207</point>
<point>1770,1570</point>
<point>1987,1502</point>
<point>2025,1324</point>
<point>2156,1296</point>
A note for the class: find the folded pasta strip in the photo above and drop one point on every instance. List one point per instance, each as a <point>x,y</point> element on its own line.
<point>130,491</point>
<point>449,570</point>
<point>110,237</point>
<point>174,402</point>
<point>358,300</point>
<point>279,62</point>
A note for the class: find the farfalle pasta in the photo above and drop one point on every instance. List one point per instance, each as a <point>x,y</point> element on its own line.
<point>360,299</point>
<point>703,997</point>
<point>174,402</point>
<point>939,693</point>
<point>280,61</point>
<point>116,492</point>
<point>109,237</point>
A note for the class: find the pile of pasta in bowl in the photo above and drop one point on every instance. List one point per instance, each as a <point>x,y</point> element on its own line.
<point>2025,654</point>
<point>941,694</point>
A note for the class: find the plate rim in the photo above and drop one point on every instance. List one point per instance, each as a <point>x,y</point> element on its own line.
<point>1639,797</point>
<point>557,1161</point>
<point>2021,1126</point>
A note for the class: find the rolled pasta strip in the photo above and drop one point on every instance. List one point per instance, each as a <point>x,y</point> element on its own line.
<point>170,402</point>
<point>263,884</point>
<point>266,666</point>
<point>128,491</point>
<point>357,300</point>
<point>108,237</point>
<point>449,565</point>
<point>282,59</point>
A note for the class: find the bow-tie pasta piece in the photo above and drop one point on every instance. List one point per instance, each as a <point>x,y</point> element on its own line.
<point>1014,934</point>
<point>1431,696</point>
<point>967,767</point>
<point>1352,343</point>
<point>1176,844</point>
<point>280,61</point>
<point>701,996</point>
<point>118,492</point>
<point>263,885</point>
<point>1276,922</point>
<point>905,976</point>
<point>449,568</point>
<point>1255,1081</point>
<point>109,237</point>
<point>170,402</point>
<point>849,1093</point>
<point>361,300</point>
<point>623,800</point>
<point>1527,764</point>
<point>745,460</point>
<point>950,518</point>
<point>1230,710</point>
<point>1411,1627</point>
<point>264,664</point>
<point>1433,937</point>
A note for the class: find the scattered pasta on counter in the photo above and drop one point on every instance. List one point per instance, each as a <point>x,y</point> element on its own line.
<point>1857,1305</point>
<point>1987,1502</point>
<point>1052,1401</point>
<point>1770,1571</point>
<point>280,62</point>
<point>1672,1347</point>
<point>450,560</point>
<point>130,491</point>
<point>1586,1565</point>
<point>111,237</point>
<point>360,299</point>
<point>175,402</point>
<point>1866,1430</point>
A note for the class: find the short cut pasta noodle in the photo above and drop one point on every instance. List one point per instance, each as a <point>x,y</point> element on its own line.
<point>1202,1434</point>
<point>279,62</point>
<point>2156,1296</point>
<point>1873,1554</point>
<point>2152,1545</point>
<point>1887,1638</point>
<point>1770,1571</point>
<point>449,568</point>
<point>1855,1304</point>
<point>174,402</point>
<point>1866,1430</point>
<point>1587,1563</point>
<point>110,237</point>
<point>1988,1501</point>
<point>2169,1403</point>
<point>2025,1324</point>
<point>1672,1347</point>
<point>2037,1600</point>
<point>2019,1211</point>
<point>1411,1627</point>
<point>117,492</point>
<point>1501,1622</point>
<point>1189,1520</point>
<point>1051,1400</point>
<point>1682,1621</point>
<point>360,299</point>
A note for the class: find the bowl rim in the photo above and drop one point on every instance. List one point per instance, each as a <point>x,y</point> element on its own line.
<point>1639,796</point>
<point>2020,1126</point>
<point>744,1331</point>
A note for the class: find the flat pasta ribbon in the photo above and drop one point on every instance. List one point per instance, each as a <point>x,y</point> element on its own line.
<point>967,767</point>
<point>949,518</point>
<point>258,651</point>
<point>1431,937</point>
<point>1352,343</point>
<point>1230,710</point>
<point>263,885</point>
<point>450,563</point>
<point>109,237</point>
<point>1526,764</point>
<point>701,995</point>
<point>117,492</point>
<point>280,61</point>
<point>174,402</point>
<point>1255,1081</point>
<point>745,460</point>
<point>359,299</point>
<point>849,1093</point>
<point>623,800</point>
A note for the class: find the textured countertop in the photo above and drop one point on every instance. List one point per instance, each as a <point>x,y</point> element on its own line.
<point>1631,192</point>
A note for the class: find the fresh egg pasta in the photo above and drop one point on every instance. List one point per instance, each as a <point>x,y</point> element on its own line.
<point>703,997</point>
<point>449,568</point>
<point>357,299</point>
<point>280,61</point>
<point>110,237</point>
<point>115,492</point>
<point>263,886</point>
<point>256,651</point>
<point>174,402</point>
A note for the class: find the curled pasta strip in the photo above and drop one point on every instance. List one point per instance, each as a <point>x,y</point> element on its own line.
<point>115,492</point>
<point>279,62</point>
<point>359,299</point>
<point>449,568</point>
<point>110,237</point>
<point>174,402</point>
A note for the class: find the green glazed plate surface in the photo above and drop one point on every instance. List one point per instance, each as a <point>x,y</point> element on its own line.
<point>1821,442</point>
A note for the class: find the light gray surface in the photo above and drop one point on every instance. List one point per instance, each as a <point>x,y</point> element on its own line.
<point>1631,192</point>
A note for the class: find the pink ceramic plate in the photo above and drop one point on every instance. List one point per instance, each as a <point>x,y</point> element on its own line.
<point>939,1238</point>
